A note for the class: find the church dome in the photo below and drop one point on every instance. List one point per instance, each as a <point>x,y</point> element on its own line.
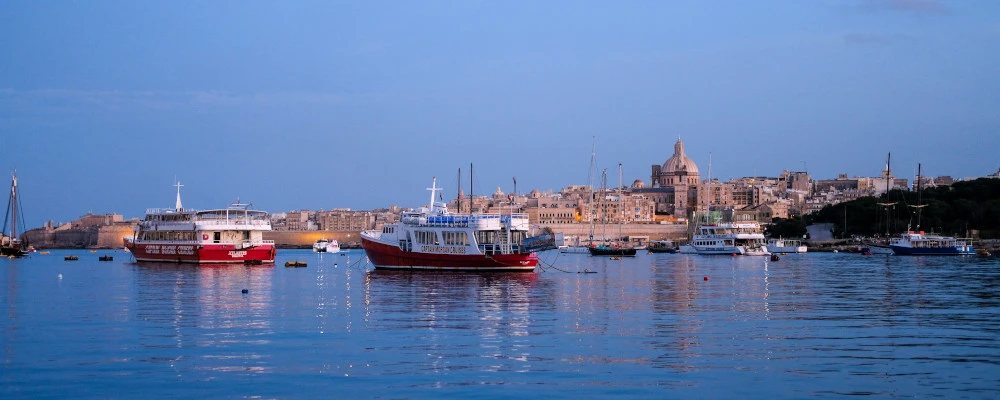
<point>679,162</point>
<point>638,184</point>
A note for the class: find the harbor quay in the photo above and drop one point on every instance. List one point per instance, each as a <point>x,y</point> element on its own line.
<point>110,236</point>
<point>575,234</point>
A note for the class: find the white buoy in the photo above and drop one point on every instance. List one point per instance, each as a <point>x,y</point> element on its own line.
<point>60,276</point>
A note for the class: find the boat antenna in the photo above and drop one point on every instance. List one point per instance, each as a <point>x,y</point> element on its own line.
<point>178,206</point>
<point>458,196</point>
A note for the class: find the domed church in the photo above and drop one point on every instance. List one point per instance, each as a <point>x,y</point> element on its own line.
<point>674,186</point>
<point>678,170</point>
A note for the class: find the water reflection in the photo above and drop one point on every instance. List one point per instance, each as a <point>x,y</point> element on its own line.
<point>460,320</point>
<point>645,327</point>
<point>191,311</point>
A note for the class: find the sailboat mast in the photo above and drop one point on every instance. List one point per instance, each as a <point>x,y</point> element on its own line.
<point>590,186</point>
<point>458,197</point>
<point>604,213</point>
<point>920,205</point>
<point>470,189</point>
<point>621,203</point>
<point>13,205</point>
<point>888,173</point>
<point>887,204</point>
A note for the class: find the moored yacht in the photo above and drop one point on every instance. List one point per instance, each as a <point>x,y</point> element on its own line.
<point>662,246</point>
<point>433,238</point>
<point>786,246</point>
<point>12,246</point>
<point>917,243</point>
<point>326,246</point>
<point>743,238</point>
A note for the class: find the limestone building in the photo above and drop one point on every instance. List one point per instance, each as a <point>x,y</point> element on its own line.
<point>678,170</point>
<point>674,186</point>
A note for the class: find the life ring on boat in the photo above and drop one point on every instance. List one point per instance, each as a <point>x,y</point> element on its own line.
<point>204,236</point>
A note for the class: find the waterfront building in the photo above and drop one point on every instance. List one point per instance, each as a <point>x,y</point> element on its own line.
<point>297,220</point>
<point>343,219</point>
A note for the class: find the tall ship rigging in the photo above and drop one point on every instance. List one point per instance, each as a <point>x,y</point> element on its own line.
<point>227,235</point>
<point>917,243</point>
<point>617,247</point>
<point>10,244</point>
<point>591,211</point>
<point>433,238</point>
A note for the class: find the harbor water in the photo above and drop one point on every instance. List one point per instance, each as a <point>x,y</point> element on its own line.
<point>652,326</point>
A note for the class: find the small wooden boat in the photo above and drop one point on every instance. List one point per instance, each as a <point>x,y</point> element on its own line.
<point>295,264</point>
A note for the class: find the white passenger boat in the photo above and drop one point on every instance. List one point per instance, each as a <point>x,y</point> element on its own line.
<point>786,246</point>
<point>228,235</point>
<point>433,238</point>
<point>326,246</point>
<point>743,238</point>
<point>918,243</point>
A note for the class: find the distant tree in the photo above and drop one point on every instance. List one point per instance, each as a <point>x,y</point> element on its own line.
<point>951,210</point>
<point>787,228</point>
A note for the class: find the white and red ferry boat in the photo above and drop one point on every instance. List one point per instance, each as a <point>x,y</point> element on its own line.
<point>230,235</point>
<point>435,239</point>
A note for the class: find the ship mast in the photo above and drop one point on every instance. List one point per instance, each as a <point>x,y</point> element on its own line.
<point>433,189</point>
<point>13,205</point>
<point>919,205</point>
<point>178,205</point>
<point>604,212</point>
<point>887,204</point>
<point>590,185</point>
<point>621,203</point>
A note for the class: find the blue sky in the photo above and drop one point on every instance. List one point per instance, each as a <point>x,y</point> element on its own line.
<point>316,105</point>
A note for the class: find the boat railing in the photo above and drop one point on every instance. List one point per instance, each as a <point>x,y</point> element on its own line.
<point>475,220</point>
<point>162,211</point>
<point>234,221</point>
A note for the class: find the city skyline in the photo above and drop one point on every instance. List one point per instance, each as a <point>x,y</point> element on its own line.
<point>103,105</point>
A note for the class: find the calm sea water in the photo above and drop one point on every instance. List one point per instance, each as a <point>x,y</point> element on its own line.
<point>809,325</point>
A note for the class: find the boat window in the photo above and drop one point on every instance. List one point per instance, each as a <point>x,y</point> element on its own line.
<point>426,237</point>
<point>459,238</point>
<point>484,237</point>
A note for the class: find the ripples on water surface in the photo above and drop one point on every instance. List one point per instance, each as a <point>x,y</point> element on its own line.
<point>653,326</point>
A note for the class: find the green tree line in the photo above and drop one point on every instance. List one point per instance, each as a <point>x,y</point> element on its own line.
<point>952,210</point>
